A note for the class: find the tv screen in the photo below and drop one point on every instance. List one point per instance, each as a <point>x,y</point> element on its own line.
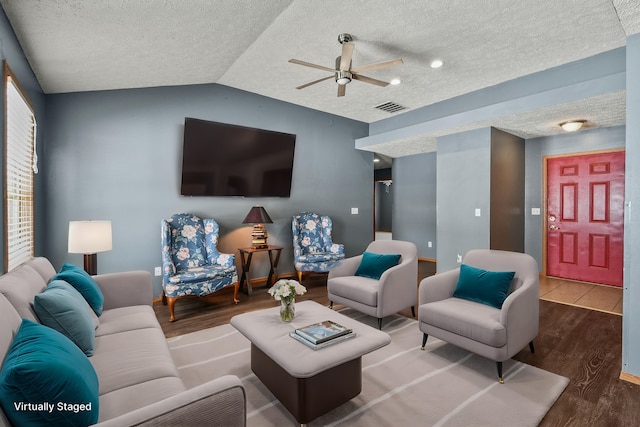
<point>220,159</point>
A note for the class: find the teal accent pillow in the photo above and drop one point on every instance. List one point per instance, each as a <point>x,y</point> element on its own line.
<point>84,283</point>
<point>485,287</point>
<point>62,308</point>
<point>43,367</point>
<point>373,265</point>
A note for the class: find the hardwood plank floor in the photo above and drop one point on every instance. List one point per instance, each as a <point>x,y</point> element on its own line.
<point>581,344</point>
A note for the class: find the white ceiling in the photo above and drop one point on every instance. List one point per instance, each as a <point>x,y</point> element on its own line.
<point>87,45</point>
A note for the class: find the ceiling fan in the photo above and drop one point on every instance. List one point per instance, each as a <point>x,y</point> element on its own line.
<point>343,73</point>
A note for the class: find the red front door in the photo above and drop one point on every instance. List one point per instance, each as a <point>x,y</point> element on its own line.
<point>584,224</point>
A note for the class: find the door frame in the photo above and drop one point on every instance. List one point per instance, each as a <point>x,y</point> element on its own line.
<point>545,214</point>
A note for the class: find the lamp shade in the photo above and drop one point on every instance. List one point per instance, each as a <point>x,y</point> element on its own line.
<point>89,237</point>
<point>257,215</point>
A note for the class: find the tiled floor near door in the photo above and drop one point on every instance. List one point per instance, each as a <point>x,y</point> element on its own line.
<point>580,294</point>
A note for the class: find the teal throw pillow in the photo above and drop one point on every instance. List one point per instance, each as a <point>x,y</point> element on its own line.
<point>84,283</point>
<point>62,308</point>
<point>373,265</point>
<point>485,287</point>
<point>47,381</point>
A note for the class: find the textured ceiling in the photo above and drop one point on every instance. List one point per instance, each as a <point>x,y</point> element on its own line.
<point>81,45</point>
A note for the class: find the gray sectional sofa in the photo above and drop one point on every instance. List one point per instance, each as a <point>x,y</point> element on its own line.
<point>138,382</point>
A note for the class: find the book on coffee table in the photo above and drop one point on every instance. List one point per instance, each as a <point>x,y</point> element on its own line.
<point>321,332</point>
<point>323,344</point>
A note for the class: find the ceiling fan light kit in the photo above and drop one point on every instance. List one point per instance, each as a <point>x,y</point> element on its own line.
<point>343,71</point>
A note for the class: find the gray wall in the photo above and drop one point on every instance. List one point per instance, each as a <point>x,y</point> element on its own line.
<point>116,155</point>
<point>631,297</point>
<point>463,185</point>
<point>11,52</point>
<point>414,203</point>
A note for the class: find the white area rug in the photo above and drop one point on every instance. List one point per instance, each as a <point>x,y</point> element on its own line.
<point>401,386</point>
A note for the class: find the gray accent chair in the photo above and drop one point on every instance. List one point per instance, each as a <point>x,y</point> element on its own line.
<point>395,291</point>
<point>497,334</point>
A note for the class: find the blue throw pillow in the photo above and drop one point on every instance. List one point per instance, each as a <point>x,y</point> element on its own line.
<point>84,283</point>
<point>485,287</point>
<point>373,265</point>
<point>62,308</point>
<point>43,367</point>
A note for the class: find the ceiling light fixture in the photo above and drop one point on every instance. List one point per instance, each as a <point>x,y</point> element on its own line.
<point>437,63</point>
<point>572,125</point>
<point>376,160</point>
<point>395,82</point>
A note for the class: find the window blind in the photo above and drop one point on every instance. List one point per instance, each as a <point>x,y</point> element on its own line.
<point>19,168</point>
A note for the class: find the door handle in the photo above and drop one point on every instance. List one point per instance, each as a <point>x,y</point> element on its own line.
<point>553,227</point>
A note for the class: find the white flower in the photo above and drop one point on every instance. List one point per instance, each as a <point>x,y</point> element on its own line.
<point>189,231</point>
<point>310,225</point>
<point>286,289</point>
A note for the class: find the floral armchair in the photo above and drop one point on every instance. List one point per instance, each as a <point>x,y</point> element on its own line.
<point>312,246</point>
<point>192,266</point>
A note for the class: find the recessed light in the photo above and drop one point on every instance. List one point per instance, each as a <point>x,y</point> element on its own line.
<point>572,125</point>
<point>376,160</point>
<point>437,63</point>
<point>395,82</point>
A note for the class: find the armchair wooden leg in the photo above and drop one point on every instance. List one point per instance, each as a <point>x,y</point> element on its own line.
<point>531,347</point>
<point>499,366</point>
<point>164,298</point>
<point>424,341</point>
<point>413,310</point>
<point>236,288</point>
<point>380,323</point>
<point>172,302</point>
<point>331,305</point>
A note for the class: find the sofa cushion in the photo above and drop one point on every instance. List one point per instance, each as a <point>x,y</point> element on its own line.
<point>19,287</point>
<point>478,322</point>
<point>127,319</point>
<point>373,265</point>
<point>356,288</point>
<point>132,357</point>
<point>45,366</point>
<point>485,287</point>
<point>9,325</point>
<point>63,308</point>
<point>84,283</point>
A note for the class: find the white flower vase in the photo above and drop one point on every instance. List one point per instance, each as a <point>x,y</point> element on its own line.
<point>287,310</point>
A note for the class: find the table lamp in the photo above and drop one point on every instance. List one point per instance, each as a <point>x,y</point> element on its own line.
<point>258,217</point>
<point>89,238</point>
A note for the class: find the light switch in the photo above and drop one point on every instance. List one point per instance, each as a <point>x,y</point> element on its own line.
<point>429,244</point>
<point>354,211</point>
<point>535,211</point>
<point>477,211</point>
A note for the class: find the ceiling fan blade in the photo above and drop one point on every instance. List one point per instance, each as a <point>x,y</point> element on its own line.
<point>342,90</point>
<point>366,79</point>
<point>314,82</point>
<point>347,53</point>
<point>309,64</point>
<point>377,65</point>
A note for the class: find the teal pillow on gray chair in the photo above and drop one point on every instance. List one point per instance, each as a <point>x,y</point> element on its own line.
<point>373,265</point>
<point>485,287</point>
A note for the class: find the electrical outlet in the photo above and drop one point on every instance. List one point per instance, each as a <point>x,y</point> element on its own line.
<point>429,244</point>
<point>459,259</point>
<point>158,271</point>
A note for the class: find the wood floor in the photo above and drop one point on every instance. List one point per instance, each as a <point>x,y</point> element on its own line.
<point>581,344</point>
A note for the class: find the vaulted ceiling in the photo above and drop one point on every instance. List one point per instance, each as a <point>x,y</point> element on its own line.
<point>75,45</point>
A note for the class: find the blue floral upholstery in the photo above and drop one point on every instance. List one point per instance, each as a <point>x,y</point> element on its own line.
<point>312,246</point>
<point>191,262</point>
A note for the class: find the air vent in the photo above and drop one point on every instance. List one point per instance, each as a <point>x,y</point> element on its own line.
<point>390,107</point>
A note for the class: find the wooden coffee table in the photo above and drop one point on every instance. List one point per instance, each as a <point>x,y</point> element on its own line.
<point>309,383</point>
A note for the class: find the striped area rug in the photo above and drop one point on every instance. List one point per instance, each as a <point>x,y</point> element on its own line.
<point>401,385</point>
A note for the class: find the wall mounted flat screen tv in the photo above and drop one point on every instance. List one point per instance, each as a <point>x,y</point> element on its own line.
<point>220,159</point>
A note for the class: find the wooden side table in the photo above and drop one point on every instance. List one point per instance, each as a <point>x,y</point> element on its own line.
<point>246,254</point>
